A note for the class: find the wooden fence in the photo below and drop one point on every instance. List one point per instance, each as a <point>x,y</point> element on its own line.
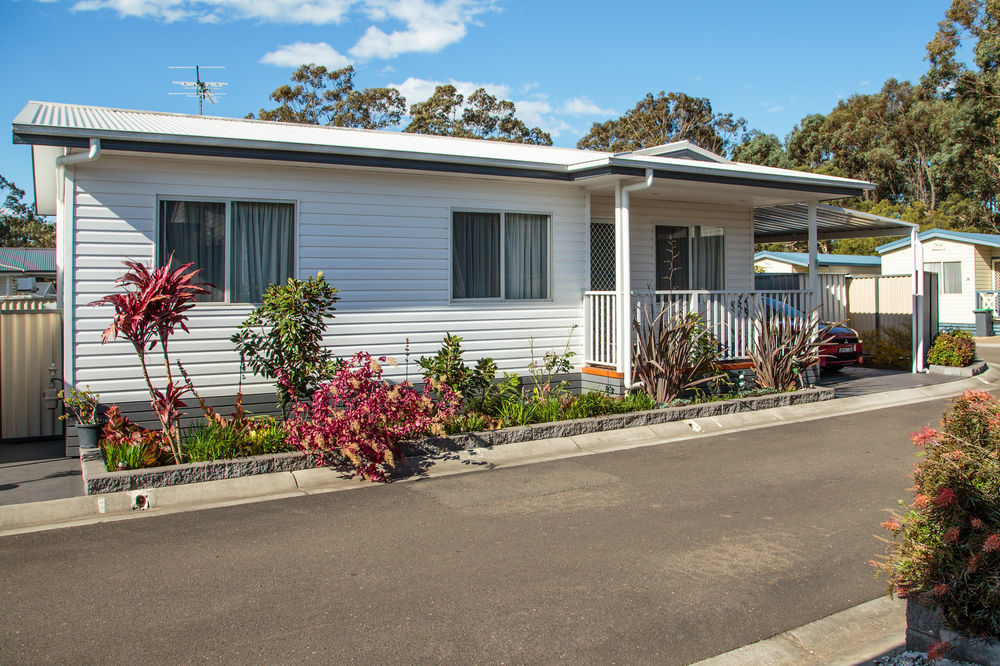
<point>30,342</point>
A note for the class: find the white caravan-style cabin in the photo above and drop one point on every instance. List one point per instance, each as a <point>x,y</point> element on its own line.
<point>798,262</point>
<point>968,268</point>
<point>513,247</point>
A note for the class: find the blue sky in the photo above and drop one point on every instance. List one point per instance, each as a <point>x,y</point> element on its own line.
<point>566,63</point>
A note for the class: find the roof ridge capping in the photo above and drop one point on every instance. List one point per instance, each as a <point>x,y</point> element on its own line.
<point>677,149</point>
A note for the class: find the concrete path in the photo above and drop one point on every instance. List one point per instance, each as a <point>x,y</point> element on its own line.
<point>38,471</point>
<point>664,553</point>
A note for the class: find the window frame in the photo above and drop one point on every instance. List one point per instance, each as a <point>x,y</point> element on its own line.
<point>691,228</point>
<point>940,274</point>
<point>158,251</point>
<point>503,212</point>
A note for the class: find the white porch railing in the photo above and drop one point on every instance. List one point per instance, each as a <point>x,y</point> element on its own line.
<point>988,299</point>
<point>600,328</point>
<point>730,316</point>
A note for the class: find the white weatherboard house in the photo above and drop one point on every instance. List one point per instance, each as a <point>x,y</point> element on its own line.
<point>507,245</point>
<point>968,268</point>
<point>798,262</point>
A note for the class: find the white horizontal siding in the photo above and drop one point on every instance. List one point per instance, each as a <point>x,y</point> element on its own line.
<point>645,214</point>
<point>379,237</point>
<point>952,308</point>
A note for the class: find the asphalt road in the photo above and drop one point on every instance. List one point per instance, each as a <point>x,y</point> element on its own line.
<point>665,554</point>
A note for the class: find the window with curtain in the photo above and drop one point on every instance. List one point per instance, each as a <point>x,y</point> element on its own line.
<point>195,231</point>
<point>949,275</point>
<point>260,237</point>
<point>486,246</point>
<point>262,248</point>
<point>690,258</point>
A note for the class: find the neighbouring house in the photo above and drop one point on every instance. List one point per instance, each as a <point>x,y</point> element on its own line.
<point>798,262</point>
<point>967,266</point>
<point>27,271</point>
<point>517,248</point>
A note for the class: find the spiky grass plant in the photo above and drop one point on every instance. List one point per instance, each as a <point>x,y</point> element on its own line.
<point>669,353</point>
<point>784,346</point>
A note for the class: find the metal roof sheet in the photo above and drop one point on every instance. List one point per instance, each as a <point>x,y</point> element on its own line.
<point>27,260</point>
<point>802,259</point>
<point>789,222</point>
<point>61,122</point>
<point>991,240</point>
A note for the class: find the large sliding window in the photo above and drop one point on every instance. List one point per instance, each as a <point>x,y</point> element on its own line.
<point>499,256</point>
<point>241,247</point>
<point>690,258</point>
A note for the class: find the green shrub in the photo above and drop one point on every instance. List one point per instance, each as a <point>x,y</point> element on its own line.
<point>952,348</point>
<point>124,455</point>
<point>284,337</point>
<point>472,384</point>
<point>946,550</point>
<point>889,348</point>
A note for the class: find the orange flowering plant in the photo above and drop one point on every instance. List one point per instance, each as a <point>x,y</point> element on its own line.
<point>945,549</point>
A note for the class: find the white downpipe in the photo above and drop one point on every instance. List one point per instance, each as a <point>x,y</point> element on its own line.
<point>626,285</point>
<point>919,325</point>
<point>65,231</point>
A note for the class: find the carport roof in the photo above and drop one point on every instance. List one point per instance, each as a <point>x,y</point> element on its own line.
<point>790,222</point>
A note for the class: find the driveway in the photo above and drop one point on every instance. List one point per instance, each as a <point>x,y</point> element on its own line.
<point>664,554</point>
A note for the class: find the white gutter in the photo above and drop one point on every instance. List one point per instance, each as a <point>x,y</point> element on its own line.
<point>625,288</point>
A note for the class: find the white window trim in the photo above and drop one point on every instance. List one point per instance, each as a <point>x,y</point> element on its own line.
<point>228,201</point>
<point>503,264</point>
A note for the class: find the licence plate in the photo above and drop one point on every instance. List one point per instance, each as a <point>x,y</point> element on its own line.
<point>845,350</point>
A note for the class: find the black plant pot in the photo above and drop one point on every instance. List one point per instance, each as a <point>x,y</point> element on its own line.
<point>88,434</point>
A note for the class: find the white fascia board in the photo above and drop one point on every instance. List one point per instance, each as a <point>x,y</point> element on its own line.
<point>740,170</point>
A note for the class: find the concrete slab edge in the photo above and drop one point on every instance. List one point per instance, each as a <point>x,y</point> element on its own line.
<point>17,518</point>
<point>851,636</point>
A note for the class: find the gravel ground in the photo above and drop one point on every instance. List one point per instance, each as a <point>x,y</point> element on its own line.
<point>915,659</point>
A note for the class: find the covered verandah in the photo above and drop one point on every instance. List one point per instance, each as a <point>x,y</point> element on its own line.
<point>716,283</point>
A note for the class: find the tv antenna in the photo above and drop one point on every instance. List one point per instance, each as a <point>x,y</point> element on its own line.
<point>201,89</point>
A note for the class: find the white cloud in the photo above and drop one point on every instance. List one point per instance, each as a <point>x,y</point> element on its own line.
<point>300,53</point>
<point>531,111</point>
<point>418,90</point>
<point>866,83</point>
<point>318,12</point>
<point>430,26</point>
<point>582,106</point>
<point>775,109</point>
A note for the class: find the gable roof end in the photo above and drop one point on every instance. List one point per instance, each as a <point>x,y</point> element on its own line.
<point>990,240</point>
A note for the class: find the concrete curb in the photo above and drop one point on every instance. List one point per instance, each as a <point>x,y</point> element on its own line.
<point>852,636</point>
<point>18,518</point>
<point>971,370</point>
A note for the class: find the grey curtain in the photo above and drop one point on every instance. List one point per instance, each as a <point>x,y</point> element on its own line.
<point>709,258</point>
<point>475,255</point>
<point>262,249</point>
<point>526,255</point>
<point>195,231</point>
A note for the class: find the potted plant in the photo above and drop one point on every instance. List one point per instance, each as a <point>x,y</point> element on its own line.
<point>83,406</point>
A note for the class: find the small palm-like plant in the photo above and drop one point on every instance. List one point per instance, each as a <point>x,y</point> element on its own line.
<point>152,305</point>
<point>785,345</point>
<point>670,353</point>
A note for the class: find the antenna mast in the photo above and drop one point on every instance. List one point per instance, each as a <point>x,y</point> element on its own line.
<point>201,89</point>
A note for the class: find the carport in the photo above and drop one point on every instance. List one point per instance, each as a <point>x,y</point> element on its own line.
<point>811,222</point>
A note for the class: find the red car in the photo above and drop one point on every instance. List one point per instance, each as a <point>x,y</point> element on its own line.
<point>843,346</point>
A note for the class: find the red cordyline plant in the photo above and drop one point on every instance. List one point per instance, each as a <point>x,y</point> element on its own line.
<point>946,546</point>
<point>148,311</point>
<point>361,418</point>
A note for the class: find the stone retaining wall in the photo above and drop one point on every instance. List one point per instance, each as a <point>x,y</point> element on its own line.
<point>98,480</point>
<point>924,627</point>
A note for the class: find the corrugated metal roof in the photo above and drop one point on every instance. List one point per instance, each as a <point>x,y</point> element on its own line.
<point>86,122</point>
<point>990,240</point>
<point>789,222</point>
<point>27,260</point>
<point>802,259</point>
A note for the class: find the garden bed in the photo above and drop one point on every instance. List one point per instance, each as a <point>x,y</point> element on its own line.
<point>98,480</point>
